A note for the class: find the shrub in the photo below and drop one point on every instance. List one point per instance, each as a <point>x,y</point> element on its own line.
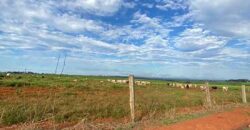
<point>21,113</point>
<point>17,84</point>
<point>19,77</point>
<point>15,115</point>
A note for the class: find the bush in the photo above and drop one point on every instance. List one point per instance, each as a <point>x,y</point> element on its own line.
<point>19,77</point>
<point>17,84</point>
<point>22,113</point>
<point>14,115</point>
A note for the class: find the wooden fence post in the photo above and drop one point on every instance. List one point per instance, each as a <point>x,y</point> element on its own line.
<point>132,97</point>
<point>208,96</point>
<point>243,94</point>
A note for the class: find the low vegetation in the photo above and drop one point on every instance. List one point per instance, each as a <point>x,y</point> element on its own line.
<point>39,97</point>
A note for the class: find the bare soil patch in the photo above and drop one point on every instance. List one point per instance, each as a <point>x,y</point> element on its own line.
<point>235,119</point>
<point>7,91</point>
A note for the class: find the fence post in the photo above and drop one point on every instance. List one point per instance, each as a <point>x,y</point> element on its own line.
<point>132,97</point>
<point>208,96</point>
<point>243,93</point>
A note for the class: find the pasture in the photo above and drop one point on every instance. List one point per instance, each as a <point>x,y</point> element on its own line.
<point>68,99</point>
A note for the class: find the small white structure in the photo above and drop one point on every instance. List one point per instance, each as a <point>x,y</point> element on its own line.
<point>224,88</point>
<point>142,82</point>
<point>75,80</point>
<point>119,81</point>
<point>202,88</point>
<point>8,75</point>
<point>181,85</point>
<point>124,81</point>
<point>138,82</point>
<point>113,81</point>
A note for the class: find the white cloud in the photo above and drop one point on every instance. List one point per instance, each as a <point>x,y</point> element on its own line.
<point>142,27</point>
<point>156,42</point>
<point>125,33</point>
<point>98,7</point>
<point>196,39</point>
<point>41,15</point>
<point>148,5</point>
<point>71,23</point>
<point>225,17</point>
<point>46,28</point>
<point>180,20</point>
<point>172,5</point>
<point>144,19</point>
<point>51,31</point>
<point>234,52</point>
<point>129,4</point>
<point>151,24</point>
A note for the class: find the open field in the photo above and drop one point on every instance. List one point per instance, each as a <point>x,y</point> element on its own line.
<point>29,98</point>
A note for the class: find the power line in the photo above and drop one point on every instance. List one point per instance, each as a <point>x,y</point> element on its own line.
<point>58,59</point>
<point>64,63</point>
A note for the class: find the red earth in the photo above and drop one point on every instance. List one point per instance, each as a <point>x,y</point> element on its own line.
<point>236,119</point>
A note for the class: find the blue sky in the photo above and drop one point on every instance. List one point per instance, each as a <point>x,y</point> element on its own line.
<point>196,39</point>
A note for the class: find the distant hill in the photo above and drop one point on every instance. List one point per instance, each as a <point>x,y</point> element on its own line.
<point>19,72</point>
<point>239,80</point>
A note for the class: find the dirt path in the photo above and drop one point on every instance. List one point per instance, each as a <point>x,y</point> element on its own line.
<point>237,118</point>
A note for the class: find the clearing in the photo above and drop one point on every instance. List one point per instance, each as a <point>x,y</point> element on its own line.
<point>44,101</point>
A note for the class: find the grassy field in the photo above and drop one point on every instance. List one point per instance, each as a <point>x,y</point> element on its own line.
<point>39,97</point>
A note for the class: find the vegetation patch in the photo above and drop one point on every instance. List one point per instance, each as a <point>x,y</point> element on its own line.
<point>29,98</point>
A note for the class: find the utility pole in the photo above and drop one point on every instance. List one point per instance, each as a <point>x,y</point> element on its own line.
<point>64,63</point>
<point>58,59</point>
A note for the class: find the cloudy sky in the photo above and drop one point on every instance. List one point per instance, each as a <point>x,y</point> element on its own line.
<point>196,39</point>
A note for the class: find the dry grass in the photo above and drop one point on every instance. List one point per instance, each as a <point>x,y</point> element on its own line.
<point>99,104</point>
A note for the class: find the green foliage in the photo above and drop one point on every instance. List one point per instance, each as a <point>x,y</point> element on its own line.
<point>73,98</point>
<point>20,113</point>
<point>14,115</point>
<point>182,118</point>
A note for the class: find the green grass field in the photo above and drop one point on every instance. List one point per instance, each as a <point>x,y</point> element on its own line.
<point>37,97</point>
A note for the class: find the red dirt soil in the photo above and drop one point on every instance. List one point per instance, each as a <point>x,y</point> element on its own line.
<point>6,91</point>
<point>238,118</point>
